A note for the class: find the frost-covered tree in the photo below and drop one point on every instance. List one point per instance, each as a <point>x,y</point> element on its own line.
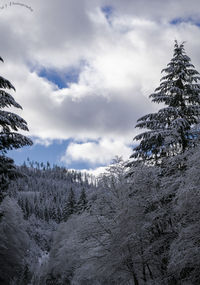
<point>138,229</point>
<point>82,202</point>
<point>70,205</point>
<point>14,242</point>
<point>184,263</point>
<point>10,139</point>
<point>171,130</point>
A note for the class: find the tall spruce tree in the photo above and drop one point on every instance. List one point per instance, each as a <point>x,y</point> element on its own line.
<point>10,139</point>
<point>70,205</point>
<point>82,202</point>
<point>172,129</point>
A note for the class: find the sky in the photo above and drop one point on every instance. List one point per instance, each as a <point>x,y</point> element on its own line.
<point>84,69</point>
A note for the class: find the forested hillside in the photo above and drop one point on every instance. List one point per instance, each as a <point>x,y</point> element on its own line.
<point>38,201</point>
<point>138,229</point>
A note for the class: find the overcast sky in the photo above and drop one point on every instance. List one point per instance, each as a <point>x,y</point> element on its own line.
<point>83,70</point>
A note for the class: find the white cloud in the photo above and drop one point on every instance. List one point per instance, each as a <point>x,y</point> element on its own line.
<point>101,152</point>
<point>97,171</point>
<point>44,142</point>
<point>120,63</point>
<point>94,172</point>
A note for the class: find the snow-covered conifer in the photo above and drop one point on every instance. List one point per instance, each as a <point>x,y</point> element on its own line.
<point>172,129</point>
<point>14,241</point>
<point>70,206</point>
<point>10,123</point>
<point>82,202</point>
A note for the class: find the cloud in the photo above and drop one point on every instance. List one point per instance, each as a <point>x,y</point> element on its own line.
<point>96,153</point>
<point>42,142</point>
<point>84,69</point>
<point>96,172</point>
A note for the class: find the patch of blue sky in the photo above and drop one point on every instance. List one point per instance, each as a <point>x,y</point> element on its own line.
<point>178,21</point>
<point>41,153</point>
<point>81,141</point>
<point>51,153</point>
<point>107,11</point>
<point>62,79</point>
<point>81,165</point>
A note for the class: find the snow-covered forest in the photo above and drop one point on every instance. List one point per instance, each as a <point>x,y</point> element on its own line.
<point>138,223</point>
<point>58,229</point>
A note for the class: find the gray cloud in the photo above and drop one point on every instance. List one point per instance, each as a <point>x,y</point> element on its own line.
<point>98,116</point>
<point>122,61</point>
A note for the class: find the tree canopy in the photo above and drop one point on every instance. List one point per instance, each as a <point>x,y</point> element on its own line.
<point>172,129</point>
<point>10,138</point>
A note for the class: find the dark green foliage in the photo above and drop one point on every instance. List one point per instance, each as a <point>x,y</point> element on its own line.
<point>172,129</point>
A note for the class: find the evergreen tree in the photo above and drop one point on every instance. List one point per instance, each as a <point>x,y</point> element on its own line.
<point>53,213</point>
<point>70,205</point>
<point>14,241</point>
<point>172,129</point>
<point>10,139</point>
<point>46,214</point>
<point>59,216</point>
<point>82,202</point>
<point>27,209</point>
